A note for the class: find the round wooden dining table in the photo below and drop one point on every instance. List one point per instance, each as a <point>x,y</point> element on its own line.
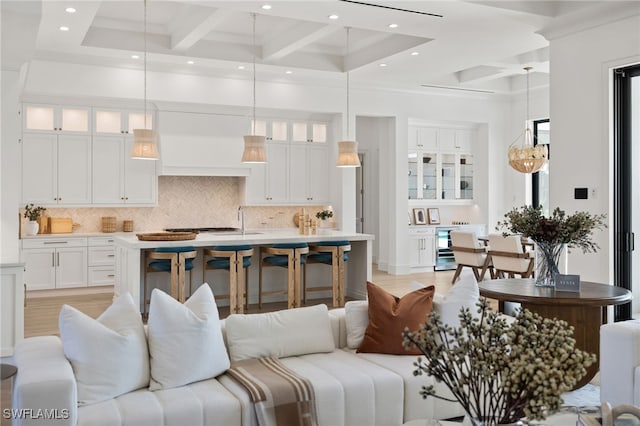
<point>586,310</point>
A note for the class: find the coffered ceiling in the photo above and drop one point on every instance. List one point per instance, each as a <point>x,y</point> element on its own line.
<point>408,45</point>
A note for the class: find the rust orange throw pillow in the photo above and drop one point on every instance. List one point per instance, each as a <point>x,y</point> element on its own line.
<point>389,315</point>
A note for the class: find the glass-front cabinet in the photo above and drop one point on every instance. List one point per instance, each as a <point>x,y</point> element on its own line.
<point>440,176</point>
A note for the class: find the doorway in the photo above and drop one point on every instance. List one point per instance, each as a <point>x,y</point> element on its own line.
<point>540,179</point>
<point>626,209</point>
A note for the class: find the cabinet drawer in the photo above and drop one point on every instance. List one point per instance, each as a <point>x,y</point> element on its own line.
<point>102,256</point>
<point>101,276</point>
<point>422,231</point>
<point>53,242</point>
<point>100,241</point>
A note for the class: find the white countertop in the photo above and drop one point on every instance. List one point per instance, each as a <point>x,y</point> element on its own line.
<point>252,237</point>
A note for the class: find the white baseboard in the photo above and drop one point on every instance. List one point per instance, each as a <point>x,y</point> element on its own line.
<point>78,291</point>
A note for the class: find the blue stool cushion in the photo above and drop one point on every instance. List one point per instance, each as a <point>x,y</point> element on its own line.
<point>325,257</point>
<point>174,249</point>
<point>165,265</point>
<point>290,245</point>
<point>223,262</point>
<point>282,260</point>
<point>332,243</point>
<point>233,248</point>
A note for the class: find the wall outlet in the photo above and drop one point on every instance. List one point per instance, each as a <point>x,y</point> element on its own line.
<point>593,192</point>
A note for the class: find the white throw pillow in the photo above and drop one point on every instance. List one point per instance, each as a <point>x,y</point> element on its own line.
<point>283,333</point>
<point>463,294</point>
<point>109,355</point>
<point>185,341</point>
<point>356,317</point>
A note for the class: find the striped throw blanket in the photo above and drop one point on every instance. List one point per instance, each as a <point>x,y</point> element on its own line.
<point>280,396</point>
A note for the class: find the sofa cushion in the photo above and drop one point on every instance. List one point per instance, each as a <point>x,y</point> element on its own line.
<point>283,333</point>
<point>389,315</point>
<point>356,314</point>
<point>463,294</point>
<point>109,354</point>
<point>185,341</point>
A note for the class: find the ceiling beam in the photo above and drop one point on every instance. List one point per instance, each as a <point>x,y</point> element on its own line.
<point>481,72</point>
<point>197,23</point>
<point>296,38</point>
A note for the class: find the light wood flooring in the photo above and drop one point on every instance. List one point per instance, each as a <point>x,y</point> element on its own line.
<point>41,313</point>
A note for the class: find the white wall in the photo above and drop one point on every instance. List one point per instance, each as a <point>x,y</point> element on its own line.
<point>580,127</point>
<point>10,174</point>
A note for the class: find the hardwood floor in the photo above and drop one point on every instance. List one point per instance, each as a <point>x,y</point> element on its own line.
<point>41,313</point>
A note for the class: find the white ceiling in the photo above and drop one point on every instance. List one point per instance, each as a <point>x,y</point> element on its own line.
<point>471,45</point>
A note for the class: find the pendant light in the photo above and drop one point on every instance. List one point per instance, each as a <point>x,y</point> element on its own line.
<point>527,158</point>
<point>145,141</point>
<point>254,145</point>
<point>348,149</point>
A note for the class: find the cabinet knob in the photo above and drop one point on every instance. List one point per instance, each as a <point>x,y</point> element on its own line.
<point>121,131</point>
<point>126,198</point>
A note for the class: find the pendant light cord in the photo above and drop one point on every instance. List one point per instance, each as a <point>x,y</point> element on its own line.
<point>527,132</point>
<point>253,131</point>
<point>346,66</point>
<point>145,64</point>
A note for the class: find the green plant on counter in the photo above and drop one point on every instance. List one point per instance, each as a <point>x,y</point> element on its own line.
<point>324,214</point>
<point>33,213</point>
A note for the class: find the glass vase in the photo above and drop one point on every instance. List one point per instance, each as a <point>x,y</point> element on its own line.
<point>550,260</point>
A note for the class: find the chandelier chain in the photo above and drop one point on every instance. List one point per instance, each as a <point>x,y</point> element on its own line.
<point>253,59</point>
<point>346,65</point>
<point>145,64</point>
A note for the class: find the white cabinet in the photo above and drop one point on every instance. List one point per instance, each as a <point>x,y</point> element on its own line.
<point>56,169</point>
<point>308,181</point>
<point>119,179</point>
<point>422,249</point>
<point>308,131</point>
<point>296,170</point>
<point>423,175</point>
<point>269,182</point>
<point>56,118</point>
<point>55,262</point>
<point>116,121</point>
<point>101,261</point>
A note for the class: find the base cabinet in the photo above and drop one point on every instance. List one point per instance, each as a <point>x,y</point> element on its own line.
<point>55,263</point>
<point>422,249</point>
<point>102,262</point>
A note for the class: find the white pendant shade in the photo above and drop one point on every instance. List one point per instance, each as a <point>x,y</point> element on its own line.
<point>254,149</point>
<point>145,144</point>
<point>348,154</point>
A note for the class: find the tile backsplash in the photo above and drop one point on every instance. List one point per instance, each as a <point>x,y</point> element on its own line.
<point>186,201</point>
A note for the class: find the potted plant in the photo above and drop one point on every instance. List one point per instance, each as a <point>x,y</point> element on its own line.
<point>32,213</point>
<point>499,372</point>
<point>324,215</point>
<point>552,234</point>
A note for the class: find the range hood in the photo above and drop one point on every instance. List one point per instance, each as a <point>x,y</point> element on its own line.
<point>201,144</point>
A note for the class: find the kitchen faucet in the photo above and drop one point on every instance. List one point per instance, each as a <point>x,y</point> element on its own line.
<point>241,217</point>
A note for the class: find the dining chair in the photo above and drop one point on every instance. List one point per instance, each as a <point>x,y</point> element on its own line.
<point>508,257</point>
<point>471,253</point>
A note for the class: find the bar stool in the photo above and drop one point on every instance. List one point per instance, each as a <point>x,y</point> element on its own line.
<point>333,253</point>
<point>234,259</point>
<point>286,255</point>
<point>176,260</point>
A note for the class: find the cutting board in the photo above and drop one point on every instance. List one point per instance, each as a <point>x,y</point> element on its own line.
<point>60,225</point>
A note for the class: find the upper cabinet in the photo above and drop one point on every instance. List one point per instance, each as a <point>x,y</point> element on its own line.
<point>297,164</point>
<point>43,118</point>
<point>440,163</point>
<point>115,121</point>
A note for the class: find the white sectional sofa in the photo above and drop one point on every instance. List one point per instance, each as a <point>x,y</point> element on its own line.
<point>351,389</point>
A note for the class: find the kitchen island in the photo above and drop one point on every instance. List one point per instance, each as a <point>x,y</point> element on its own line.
<point>130,259</point>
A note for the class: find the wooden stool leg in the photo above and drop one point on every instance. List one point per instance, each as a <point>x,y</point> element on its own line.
<point>335,273</point>
<point>291,280</point>
<point>145,291</point>
<point>246,289</point>
<point>174,276</point>
<point>341,285</point>
<point>260,280</point>
<point>181,282</point>
<point>233,285</point>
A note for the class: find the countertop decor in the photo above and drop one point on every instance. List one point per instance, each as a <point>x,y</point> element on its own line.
<point>500,373</point>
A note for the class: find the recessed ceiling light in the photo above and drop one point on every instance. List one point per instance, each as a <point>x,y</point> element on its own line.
<point>190,62</point>
<point>135,56</point>
<point>383,65</point>
<point>63,28</point>
<point>240,67</point>
<point>415,53</point>
<point>266,6</point>
<point>333,16</point>
<point>70,10</point>
<point>393,25</point>
<point>288,72</point>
